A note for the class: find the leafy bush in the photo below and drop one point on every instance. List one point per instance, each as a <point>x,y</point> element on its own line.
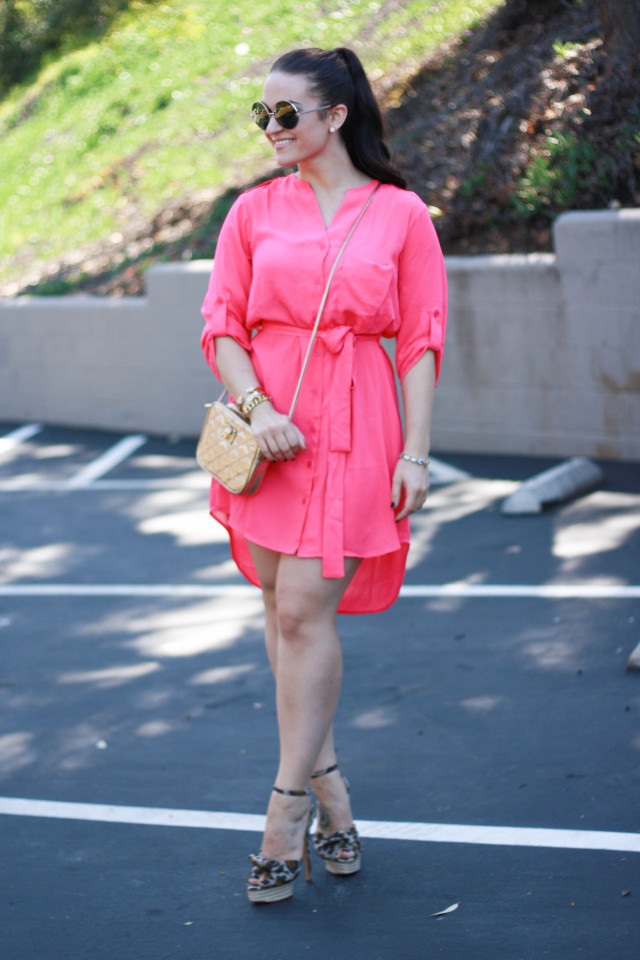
<point>553,180</point>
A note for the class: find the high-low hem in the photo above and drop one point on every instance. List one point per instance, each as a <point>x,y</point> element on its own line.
<point>380,588</point>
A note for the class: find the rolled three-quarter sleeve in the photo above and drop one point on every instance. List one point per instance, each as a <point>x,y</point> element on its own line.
<point>225,304</point>
<point>422,294</point>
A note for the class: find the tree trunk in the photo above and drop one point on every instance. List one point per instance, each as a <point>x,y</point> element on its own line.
<point>621,22</point>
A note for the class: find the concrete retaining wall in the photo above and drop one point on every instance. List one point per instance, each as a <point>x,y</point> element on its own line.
<point>543,350</point>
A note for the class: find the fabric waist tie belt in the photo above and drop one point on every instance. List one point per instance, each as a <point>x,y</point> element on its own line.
<point>340,341</point>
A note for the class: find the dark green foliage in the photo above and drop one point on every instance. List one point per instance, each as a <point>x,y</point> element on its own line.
<point>553,180</point>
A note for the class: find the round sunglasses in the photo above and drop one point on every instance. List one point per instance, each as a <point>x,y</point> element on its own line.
<point>287,113</point>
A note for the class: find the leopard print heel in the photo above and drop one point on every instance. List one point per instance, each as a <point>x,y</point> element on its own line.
<point>341,842</point>
<point>276,877</point>
<point>340,850</point>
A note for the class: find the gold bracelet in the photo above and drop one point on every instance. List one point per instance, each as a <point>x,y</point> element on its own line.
<point>248,407</point>
<point>418,460</point>
<point>247,395</point>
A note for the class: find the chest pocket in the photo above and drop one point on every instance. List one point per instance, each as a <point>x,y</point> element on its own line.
<point>366,293</point>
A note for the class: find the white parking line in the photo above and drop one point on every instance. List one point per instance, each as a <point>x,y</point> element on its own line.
<point>546,591</point>
<point>190,481</point>
<point>107,461</point>
<point>18,436</point>
<point>373,829</point>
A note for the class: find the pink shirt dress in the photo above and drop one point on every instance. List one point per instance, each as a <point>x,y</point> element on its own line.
<point>272,261</point>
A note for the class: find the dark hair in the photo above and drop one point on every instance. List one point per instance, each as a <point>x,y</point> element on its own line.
<point>337,76</point>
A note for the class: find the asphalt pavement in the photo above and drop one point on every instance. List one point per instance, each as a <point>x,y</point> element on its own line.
<point>488,726</point>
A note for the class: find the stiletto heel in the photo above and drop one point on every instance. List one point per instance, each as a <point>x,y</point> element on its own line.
<point>276,877</point>
<point>333,847</point>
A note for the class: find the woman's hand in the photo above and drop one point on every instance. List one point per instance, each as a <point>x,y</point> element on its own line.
<point>412,480</point>
<point>277,436</point>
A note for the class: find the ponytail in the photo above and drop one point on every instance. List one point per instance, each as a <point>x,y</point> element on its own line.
<point>337,76</point>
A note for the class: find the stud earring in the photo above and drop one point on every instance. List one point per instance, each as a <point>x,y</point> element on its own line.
<point>332,129</point>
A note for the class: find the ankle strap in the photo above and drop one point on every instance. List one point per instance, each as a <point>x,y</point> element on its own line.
<point>293,793</point>
<point>321,773</point>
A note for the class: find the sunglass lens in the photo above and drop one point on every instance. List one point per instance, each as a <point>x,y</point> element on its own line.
<point>261,115</point>
<point>286,114</point>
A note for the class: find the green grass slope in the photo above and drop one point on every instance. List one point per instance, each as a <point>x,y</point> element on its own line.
<point>112,131</point>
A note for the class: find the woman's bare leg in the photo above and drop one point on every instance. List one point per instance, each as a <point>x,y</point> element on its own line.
<point>332,794</point>
<point>334,807</point>
<point>305,655</point>
<point>267,561</point>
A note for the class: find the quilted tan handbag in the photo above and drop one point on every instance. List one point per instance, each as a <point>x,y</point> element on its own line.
<point>227,448</point>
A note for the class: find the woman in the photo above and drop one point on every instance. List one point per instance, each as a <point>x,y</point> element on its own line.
<point>328,530</point>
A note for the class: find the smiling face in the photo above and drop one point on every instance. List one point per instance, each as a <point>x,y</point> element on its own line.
<point>310,137</point>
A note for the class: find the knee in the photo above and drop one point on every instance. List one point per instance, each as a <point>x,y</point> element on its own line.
<point>295,616</point>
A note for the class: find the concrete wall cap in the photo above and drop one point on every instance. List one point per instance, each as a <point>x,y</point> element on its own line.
<point>53,305</point>
<point>584,218</point>
<point>502,261</point>
<point>188,267</point>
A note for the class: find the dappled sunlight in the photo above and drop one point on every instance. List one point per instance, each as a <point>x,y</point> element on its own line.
<point>179,512</point>
<point>154,502</point>
<point>482,704</point>
<point>451,503</point>
<point>214,625</point>
<point>191,528</point>
<point>469,496</point>
<point>155,699</point>
<point>222,674</point>
<point>374,719</point>
<point>41,562</point>
<point>217,571</point>
<point>154,728</point>
<point>110,676</point>
<point>424,528</point>
<point>77,746</point>
<point>21,481</point>
<point>196,480</point>
<point>55,451</point>
<point>450,604</point>
<point>15,752</point>
<point>183,631</point>
<point>596,524</point>
<point>572,568</point>
<point>446,604</point>
<point>546,649</point>
<point>552,653</point>
<point>163,499</point>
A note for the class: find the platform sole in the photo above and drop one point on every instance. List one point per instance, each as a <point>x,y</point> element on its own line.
<point>271,894</point>
<point>343,867</point>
